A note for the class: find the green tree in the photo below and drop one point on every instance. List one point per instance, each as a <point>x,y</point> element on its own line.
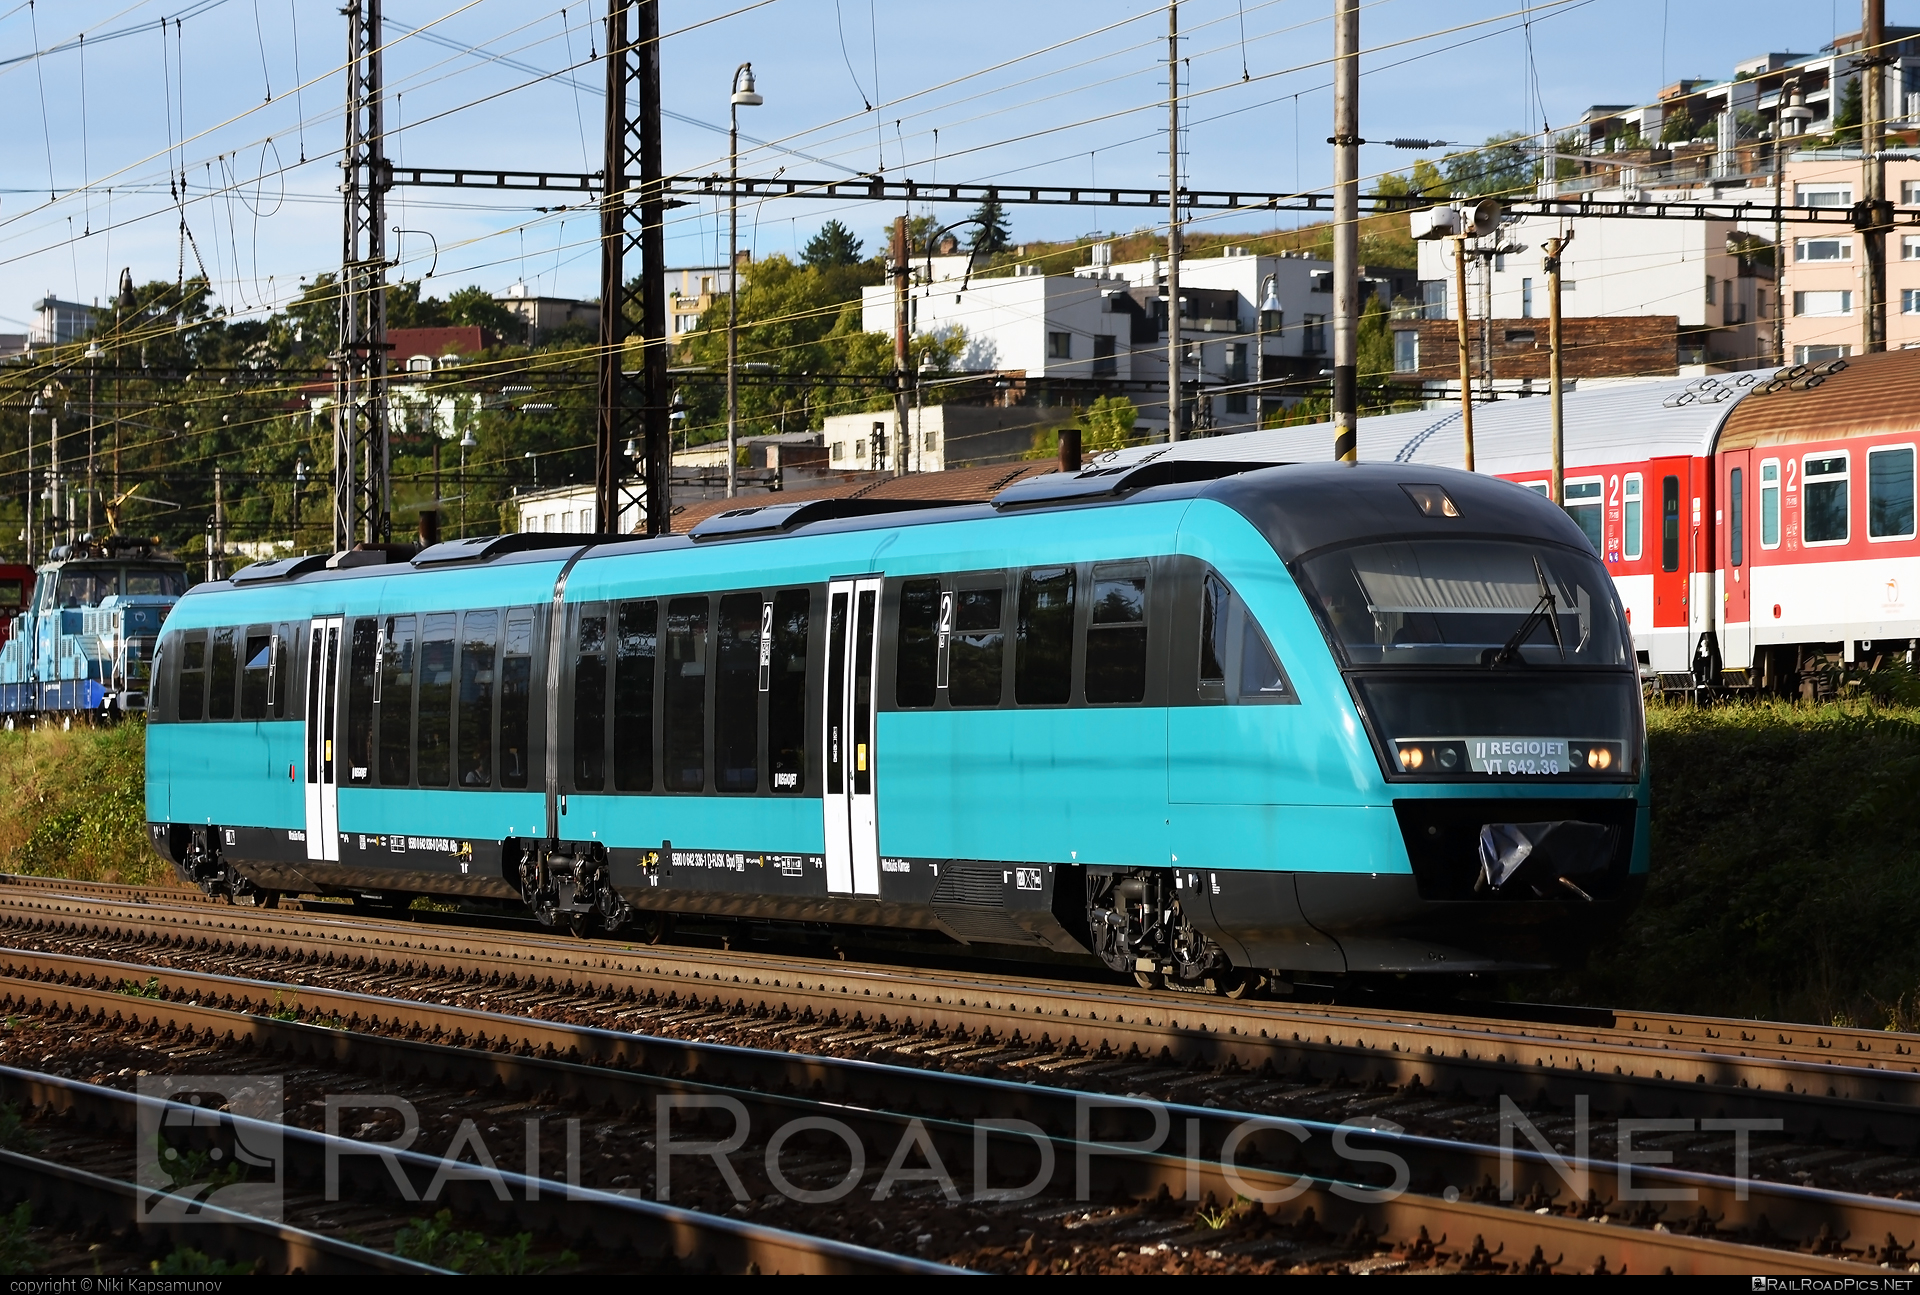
<point>991,232</point>
<point>1678,128</point>
<point>833,245</point>
<point>1424,181</point>
<point>1846,121</point>
<point>473,306</point>
<point>1504,165</point>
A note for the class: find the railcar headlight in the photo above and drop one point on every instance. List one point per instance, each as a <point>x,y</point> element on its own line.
<point>1599,757</point>
<point>1411,758</point>
<point>1449,758</point>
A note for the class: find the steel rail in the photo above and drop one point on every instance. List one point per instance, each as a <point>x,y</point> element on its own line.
<point>1822,1098</point>
<point>654,1231</point>
<point>891,1103</point>
<point>79,1200</point>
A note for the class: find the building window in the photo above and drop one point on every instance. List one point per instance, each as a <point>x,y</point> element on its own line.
<point>1817,304</point>
<point>1910,246</point>
<point>1824,499</point>
<point>1320,280</point>
<point>1433,299</point>
<point>1823,195</point>
<point>1910,301</point>
<point>1823,249</point>
<point>1820,354</point>
<point>1314,339</point>
<point>838,450</point>
<point>1059,346</point>
<point>860,448</point>
<point>1105,363</point>
<point>1406,351</point>
<point>1526,298</point>
<point>1709,289</point>
<point>1910,193</point>
<point>1237,362</point>
<point>1759,304</point>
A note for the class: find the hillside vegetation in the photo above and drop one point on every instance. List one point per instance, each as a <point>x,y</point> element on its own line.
<point>1784,882</point>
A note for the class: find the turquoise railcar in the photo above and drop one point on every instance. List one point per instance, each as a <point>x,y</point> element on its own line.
<point>1196,720</point>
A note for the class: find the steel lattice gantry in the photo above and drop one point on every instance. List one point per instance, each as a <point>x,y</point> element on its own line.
<point>362,504</point>
<point>633,409</point>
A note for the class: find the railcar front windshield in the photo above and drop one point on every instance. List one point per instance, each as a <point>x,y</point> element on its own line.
<point>87,586</point>
<point>1439,602</point>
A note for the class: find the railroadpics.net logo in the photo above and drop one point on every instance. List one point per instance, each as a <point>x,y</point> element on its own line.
<point>191,1157</point>
<point>1833,1283</point>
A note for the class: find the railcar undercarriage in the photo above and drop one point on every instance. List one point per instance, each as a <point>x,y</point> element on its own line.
<point>568,883</point>
<point>1136,926</point>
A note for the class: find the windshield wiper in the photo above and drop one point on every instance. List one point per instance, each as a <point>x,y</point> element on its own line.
<point>1547,609</point>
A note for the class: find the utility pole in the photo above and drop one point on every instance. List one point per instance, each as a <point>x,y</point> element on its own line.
<point>902,269</point>
<point>633,407</point>
<point>1460,329</point>
<point>1779,232</point>
<point>1346,226</point>
<point>743,96</point>
<point>1174,357</point>
<point>55,487</point>
<point>362,506</point>
<point>1555,246</point>
<point>1875,215</point>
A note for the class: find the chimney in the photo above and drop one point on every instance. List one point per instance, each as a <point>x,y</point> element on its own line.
<point>429,527</point>
<point>1070,449</point>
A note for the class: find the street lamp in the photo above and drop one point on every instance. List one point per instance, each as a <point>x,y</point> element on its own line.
<point>744,96</point>
<point>299,484</point>
<point>467,442</point>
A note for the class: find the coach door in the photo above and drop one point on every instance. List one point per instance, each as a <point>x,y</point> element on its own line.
<point>1736,575</point>
<point>853,836</point>
<point>1671,548</point>
<point>323,788</point>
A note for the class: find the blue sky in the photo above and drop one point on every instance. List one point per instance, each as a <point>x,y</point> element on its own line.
<point>1068,92</point>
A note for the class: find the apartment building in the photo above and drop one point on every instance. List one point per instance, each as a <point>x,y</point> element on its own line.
<point>1826,265</point>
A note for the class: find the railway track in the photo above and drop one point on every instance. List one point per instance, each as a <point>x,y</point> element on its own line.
<point>888,1107</point>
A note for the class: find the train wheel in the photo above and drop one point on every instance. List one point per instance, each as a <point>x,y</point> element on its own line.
<point>1148,980</point>
<point>580,924</point>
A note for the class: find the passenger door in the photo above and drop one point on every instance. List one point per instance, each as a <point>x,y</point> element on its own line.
<point>1736,592</point>
<point>852,824</point>
<point>323,790</point>
<point>1669,488</point>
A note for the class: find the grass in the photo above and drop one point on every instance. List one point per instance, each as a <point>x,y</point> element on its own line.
<point>1784,869</point>
<point>73,804</point>
<point>438,1242</point>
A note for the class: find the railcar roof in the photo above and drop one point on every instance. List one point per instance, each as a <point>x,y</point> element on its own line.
<point>1620,422</point>
<point>1874,395</point>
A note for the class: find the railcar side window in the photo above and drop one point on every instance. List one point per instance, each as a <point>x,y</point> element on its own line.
<point>1213,639</point>
<point>362,664</point>
<point>590,706</point>
<point>635,650</point>
<point>866,623</point>
<point>1770,504</point>
<point>684,745</point>
<point>917,663</point>
<point>193,675</point>
<point>1670,523</point>
<point>1260,675</point>
<point>1586,504</point>
<point>254,674</point>
<point>1890,493</point>
<point>1233,648</point>
<point>516,701</point>
<point>978,650</point>
<point>787,692</point>
<point>1043,646</point>
<point>1824,499</point>
<point>736,696</point>
<point>283,668</point>
<point>396,702</point>
<point>1117,635</point>
<point>159,687</point>
<point>221,676</point>
<point>434,760</point>
<point>1736,518</point>
<point>475,726</point>
<point>1631,522</point>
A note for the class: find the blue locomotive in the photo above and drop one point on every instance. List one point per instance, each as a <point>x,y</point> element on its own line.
<point>84,644</point>
<point>1201,721</point>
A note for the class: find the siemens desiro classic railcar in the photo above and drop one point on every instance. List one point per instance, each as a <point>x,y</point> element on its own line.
<point>1198,721</point>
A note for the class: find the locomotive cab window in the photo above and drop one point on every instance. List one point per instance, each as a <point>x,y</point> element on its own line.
<point>1890,511</point>
<point>1823,495</point>
<point>1237,664</point>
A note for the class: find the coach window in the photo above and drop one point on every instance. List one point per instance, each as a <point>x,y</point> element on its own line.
<point>1236,662</point>
<point>220,677</point>
<point>1630,517</point>
<point>978,651</point>
<point>516,699</point>
<point>1890,493</point>
<point>917,665</point>
<point>280,677</point>
<point>1214,600</point>
<point>1586,504</point>
<point>193,675</point>
<point>362,662</point>
<point>590,705</point>
<point>787,692</point>
<point>479,638</point>
<point>736,696</point>
<point>1770,504</point>
<point>684,744</point>
<point>636,646</point>
<point>1043,644</point>
<point>256,672</point>
<point>1117,635</point>
<point>1670,523</point>
<point>396,702</point>
<point>1824,498</point>
<point>434,758</point>
<point>1736,518</point>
